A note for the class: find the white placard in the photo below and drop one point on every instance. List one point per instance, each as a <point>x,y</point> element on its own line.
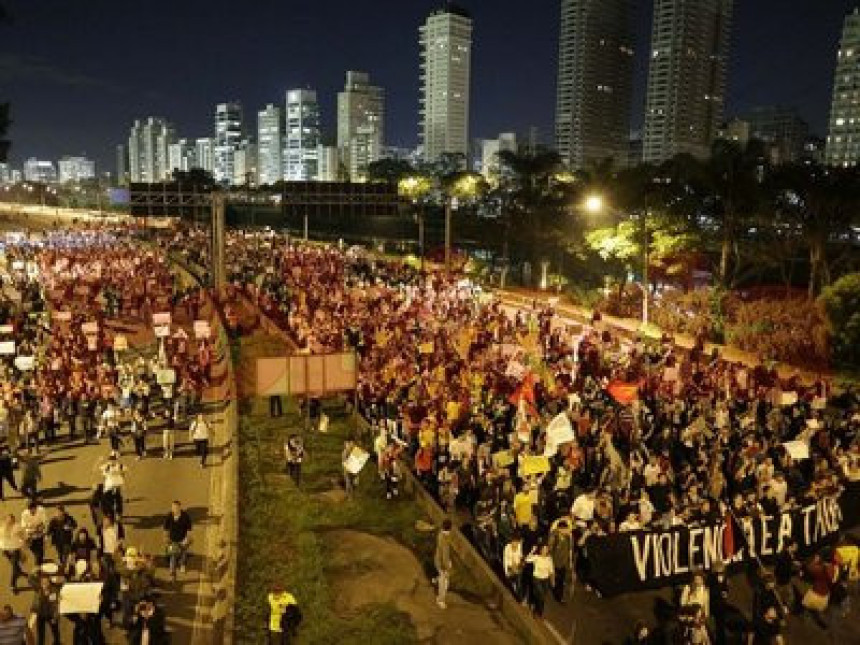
<point>202,329</point>
<point>559,430</point>
<point>165,377</point>
<point>670,374</point>
<point>788,398</point>
<point>80,597</point>
<point>162,318</point>
<point>7,348</point>
<point>356,460</point>
<point>6,329</point>
<point>797,449</point>
<point>65,316</point>
<point>90,327</point>
<point>18,265</point>
<point>25,363</point>
<point>162,331</point>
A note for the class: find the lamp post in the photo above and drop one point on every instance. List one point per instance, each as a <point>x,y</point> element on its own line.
<point>415,188</point>
<point>464,187</point>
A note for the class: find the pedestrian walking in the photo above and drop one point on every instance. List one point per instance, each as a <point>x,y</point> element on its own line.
<point>295,454</point>
<point>543,576</point>
<point>284,616</point>
<point>61,530</point>
<point>442,561</point>
<point>7,469</point>
<point>45,608</point>
<point>200,434</point>
<point>12,538</point>
<point>177,529</point>
<point>34,521</point>
<point>31,475</point>
<point>139,429</point>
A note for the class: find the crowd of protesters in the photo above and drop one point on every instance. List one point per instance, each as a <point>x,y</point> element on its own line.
<point>465,389</point>
<point>74,305</point>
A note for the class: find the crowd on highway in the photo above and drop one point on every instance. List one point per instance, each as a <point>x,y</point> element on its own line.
<point>541,434</point>
<point>92,352</point>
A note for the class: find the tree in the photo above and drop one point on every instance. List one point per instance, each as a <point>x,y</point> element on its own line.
<point>820,205</point>
<point>389,171</point>
<point>841,303</point>
<point>733,195</point>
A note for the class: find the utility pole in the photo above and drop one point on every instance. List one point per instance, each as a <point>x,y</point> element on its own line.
<point>448,207</point>
<point>217,241</point>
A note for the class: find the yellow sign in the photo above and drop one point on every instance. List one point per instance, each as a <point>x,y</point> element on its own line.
<point>503,459</point>
<point>535,466</point>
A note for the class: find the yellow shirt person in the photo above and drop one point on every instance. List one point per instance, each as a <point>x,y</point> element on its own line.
<point>279,600</point>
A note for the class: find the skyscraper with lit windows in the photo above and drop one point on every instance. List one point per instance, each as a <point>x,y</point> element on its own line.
<point>843,137</point>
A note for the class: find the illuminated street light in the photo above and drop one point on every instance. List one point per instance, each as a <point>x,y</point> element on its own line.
<point>594,204</point>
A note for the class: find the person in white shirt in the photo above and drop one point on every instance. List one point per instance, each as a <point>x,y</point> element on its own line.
<point>200,435</point>
<point>111,540</point>
<point>34,522</point>
<point>583,507</point>
<point>11,542</point>
<point>512,560</point>
<point>543,575</point>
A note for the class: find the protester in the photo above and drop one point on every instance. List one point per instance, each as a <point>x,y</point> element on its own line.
<point>443,562</point>
<point>177,528</point>
<point>200,435</point>
<point>12,538</point>
<point>294,453</point>
<point>148,625</point>
<point>284,616</point>
<point>13,628</point>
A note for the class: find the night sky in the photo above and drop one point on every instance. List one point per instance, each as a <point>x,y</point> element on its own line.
<point>79,71</point>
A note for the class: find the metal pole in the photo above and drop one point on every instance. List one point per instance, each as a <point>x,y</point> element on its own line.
<point>645,245</point>
<point>217,269</point>
<point>448,234</point>
<point>306,226</point>
<point>421,235</point>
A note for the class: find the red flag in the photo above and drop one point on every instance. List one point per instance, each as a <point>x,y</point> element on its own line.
<point>729,537</point>
<point>624,393</point>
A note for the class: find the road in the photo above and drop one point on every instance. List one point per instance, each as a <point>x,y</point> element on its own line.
<point>69,474</point>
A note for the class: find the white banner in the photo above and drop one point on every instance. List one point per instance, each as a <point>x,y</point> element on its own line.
<point>80,597</point>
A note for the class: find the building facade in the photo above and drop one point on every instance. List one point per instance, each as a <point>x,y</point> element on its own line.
<point>229,132</point>
<point>75,169</point>
<point>360,123</point>
<point>329,163</point>
<point>843,135</point>
<point>148,148</point>
<point>246,164</point>
<point>686,77</point>
<point>270,144</point>
<point>204,156</point>
<point>781,129</point>
<point>122,177</point>
<point>40,170</point>
<point>595,81</point>
<point>181,156</point>
<point>302,139</point>
<point>490,166</point>
<point>445,41</point>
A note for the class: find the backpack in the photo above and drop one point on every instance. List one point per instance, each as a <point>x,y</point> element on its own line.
<point>291,618</point>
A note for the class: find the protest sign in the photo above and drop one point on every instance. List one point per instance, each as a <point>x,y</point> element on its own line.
<point>503,459</point>
<point>788,398</point>
<point>559,430</point>
<point>25,363</point>
<point>63,316</point>
<point>535,466</point>
<point>426,348</point>
<point>7,348</point>
<point>165,377</point>
<point>356,460</point>
<point>638,560</point>
<point>91,327</point>
<point>162,318</point>
<point>6,329</point>
<point>80,597</point>
<point>797,449</point>
<point>162,331</point>
<point>202,329</point>
<point>120,343</point>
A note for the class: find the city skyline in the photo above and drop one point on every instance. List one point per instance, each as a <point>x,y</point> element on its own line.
<point>771,42</point>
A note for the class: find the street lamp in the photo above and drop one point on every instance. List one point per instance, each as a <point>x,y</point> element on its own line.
<point>415,188</point>
<point>464,187</point>
<point>594,204</point>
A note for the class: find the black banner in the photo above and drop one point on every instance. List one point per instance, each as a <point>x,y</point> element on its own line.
<point>651,559</point>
